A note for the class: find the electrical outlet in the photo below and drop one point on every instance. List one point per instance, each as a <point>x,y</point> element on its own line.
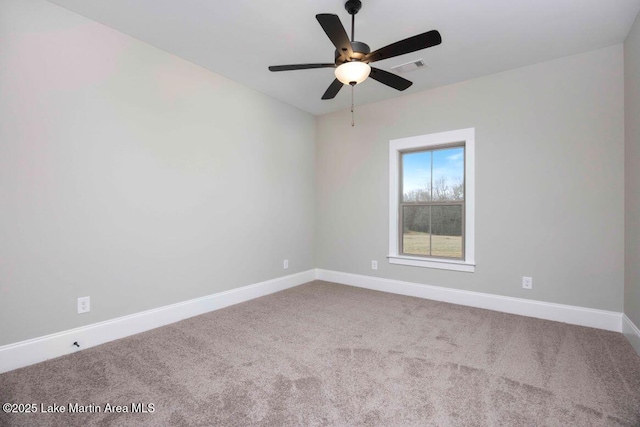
<point>527,282</point>
<point>374,265</point>
<point>285,264</point>
<point>84,305</point>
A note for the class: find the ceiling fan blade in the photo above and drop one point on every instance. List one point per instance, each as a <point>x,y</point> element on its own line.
<point>421,41</point>
<point>333,89</point>
<point>389,79</point>
<point>335,31</point>
<point>299,67</point>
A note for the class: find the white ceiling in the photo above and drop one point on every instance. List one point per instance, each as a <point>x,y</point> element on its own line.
<point>239,39</point>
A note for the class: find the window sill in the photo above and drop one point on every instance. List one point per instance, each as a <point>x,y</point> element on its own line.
<point>453,265</point>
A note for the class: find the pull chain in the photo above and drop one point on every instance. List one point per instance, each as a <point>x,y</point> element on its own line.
<point>353,118</point>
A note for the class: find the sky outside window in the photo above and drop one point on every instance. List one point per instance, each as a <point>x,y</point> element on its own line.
<point>448,170</point>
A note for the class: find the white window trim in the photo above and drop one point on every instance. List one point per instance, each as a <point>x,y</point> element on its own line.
<point>426,141</point>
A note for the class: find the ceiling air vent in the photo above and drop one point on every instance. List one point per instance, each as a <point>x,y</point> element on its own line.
<point>409,66</point>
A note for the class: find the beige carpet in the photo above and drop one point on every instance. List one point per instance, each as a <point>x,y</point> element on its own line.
<point>327,354</point>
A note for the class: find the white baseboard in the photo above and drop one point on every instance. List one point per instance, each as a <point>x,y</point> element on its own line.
<point>601,319</point>
<point>631,331</point>
<point>24,353</point>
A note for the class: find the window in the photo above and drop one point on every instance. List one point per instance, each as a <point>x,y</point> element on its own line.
<point>431,201</point>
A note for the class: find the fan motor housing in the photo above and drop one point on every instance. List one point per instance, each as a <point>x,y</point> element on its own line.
<point>360,50</point>
<point>353,6</point>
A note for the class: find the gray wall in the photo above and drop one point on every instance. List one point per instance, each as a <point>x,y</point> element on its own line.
<point>549,180</point>
<point>139,179</point>
<point>632,173</point>
<point>134,177</point>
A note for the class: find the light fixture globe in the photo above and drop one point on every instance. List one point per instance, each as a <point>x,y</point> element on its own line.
<point>353,72</point>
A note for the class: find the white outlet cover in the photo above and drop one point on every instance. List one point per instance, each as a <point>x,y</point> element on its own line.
<point>84,305</point>
<point>527,282</point>
<point>374,265</point>
<point>285,264</point>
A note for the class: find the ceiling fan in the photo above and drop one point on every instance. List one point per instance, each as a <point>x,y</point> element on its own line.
<point>352,58</point>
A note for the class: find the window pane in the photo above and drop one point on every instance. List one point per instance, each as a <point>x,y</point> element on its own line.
<point>415,235</point>
<point>446,225</point>
<point>448,174</point>
<point>416,176</point>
